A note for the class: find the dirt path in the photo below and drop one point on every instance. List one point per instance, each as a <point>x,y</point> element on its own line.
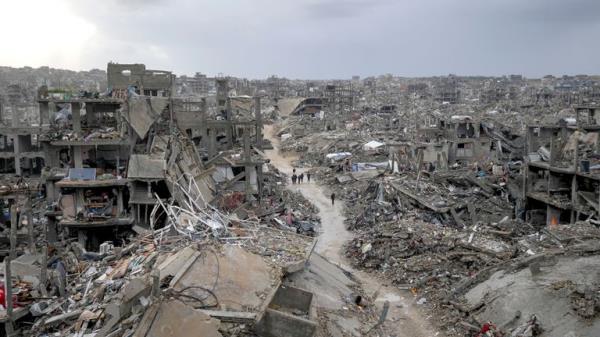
<point>404,318</point>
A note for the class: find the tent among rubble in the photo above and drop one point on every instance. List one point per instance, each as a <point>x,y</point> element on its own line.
<point>372,145</point>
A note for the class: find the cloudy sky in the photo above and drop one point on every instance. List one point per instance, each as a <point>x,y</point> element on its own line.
<point>307,38</point>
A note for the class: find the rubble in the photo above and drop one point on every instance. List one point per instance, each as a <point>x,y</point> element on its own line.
<point>143,204</point>
<point>141,221</point>
<point>438,218</point>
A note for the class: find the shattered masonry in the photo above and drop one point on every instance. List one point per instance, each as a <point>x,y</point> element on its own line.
<point>140,203</point>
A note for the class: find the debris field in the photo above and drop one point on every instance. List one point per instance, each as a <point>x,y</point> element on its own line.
<point>143,203</point>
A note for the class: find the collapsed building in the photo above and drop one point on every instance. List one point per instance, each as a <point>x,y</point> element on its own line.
<point>469,211</point>
<point>123,207</point>
<point>88,147</point>
<point>131,211</point>
<point>560,182</point>
<point>229,138</point>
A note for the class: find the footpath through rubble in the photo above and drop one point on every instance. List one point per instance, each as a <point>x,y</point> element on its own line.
<point>403,318</point>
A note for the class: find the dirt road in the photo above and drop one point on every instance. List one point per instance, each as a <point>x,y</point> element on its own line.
<point>404,318</point>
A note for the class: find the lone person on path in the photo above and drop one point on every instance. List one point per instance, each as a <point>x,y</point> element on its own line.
<point>332,199</point>
<point>308,177</point>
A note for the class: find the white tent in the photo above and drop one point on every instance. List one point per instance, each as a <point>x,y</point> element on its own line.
<point>338,156</point>
<point>372,145</point>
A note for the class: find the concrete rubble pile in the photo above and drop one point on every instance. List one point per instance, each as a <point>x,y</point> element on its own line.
<point>469,204</point>
<point>136,212</point>
<point>145,204</point>
<point>116,291</point>
<point>447,239</point>
<point>317,146</point>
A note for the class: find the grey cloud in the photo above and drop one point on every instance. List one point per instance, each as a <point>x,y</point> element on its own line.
<point>341,38</point>
<point>334,9</point>
<point>560,11</point>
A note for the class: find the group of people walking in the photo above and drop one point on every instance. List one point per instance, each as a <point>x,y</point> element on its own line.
<point>299,179</point>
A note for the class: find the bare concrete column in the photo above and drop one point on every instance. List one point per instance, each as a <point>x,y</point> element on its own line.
<point>15,117</point>
<point>76,113</point>
<point>211,134</point>
<point>13,231</point>
<point>44,113</point>
<point>149,190</point>
<point>44,270</point>
<point>229,127</point>
<point>203,127</point>
<point>29,217</point>
<point>119,202</point>
<point>89,114</point>
<point>77,157</point>
<point>17,152</point>
<point>259,123</point>
<point>259,181</point>
<point>247,160</point>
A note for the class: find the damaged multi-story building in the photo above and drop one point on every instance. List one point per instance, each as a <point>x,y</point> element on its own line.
<point>109,157</point>
<point>459,140</point>
<point>447,90</point>
<point>102,160</point>
<point>88,147</point>
<point>561,184</point>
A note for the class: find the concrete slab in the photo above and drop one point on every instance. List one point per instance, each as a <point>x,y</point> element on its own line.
<point>538,294</point>
<point>175,319</point>
<point>241,280</point>
<point>330,283</point>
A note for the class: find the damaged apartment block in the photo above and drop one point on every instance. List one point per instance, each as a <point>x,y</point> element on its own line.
<point>88,145</point>
<point>560,184</point>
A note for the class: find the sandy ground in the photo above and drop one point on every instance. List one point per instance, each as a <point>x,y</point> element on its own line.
<point>404,318</point>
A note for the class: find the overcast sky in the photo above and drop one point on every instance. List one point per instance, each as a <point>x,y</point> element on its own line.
<point>313,39</point>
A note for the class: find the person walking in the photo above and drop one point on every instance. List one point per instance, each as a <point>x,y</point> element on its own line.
<point>301,177</point>
<point>308,177</point>
<point>332,199</point>
<point>294,178</point>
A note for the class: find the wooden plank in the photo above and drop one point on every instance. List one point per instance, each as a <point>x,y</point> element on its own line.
<point>147,321</point>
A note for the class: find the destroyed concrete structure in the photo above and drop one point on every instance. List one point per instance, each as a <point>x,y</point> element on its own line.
<point>228,138</point>
<point>157,206</point>
<point>88,146</point>
<point>107,233</point>
<point>458,140</point>
<point>466,197</point>
<point>560,183</point>
<point>447,90</point>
